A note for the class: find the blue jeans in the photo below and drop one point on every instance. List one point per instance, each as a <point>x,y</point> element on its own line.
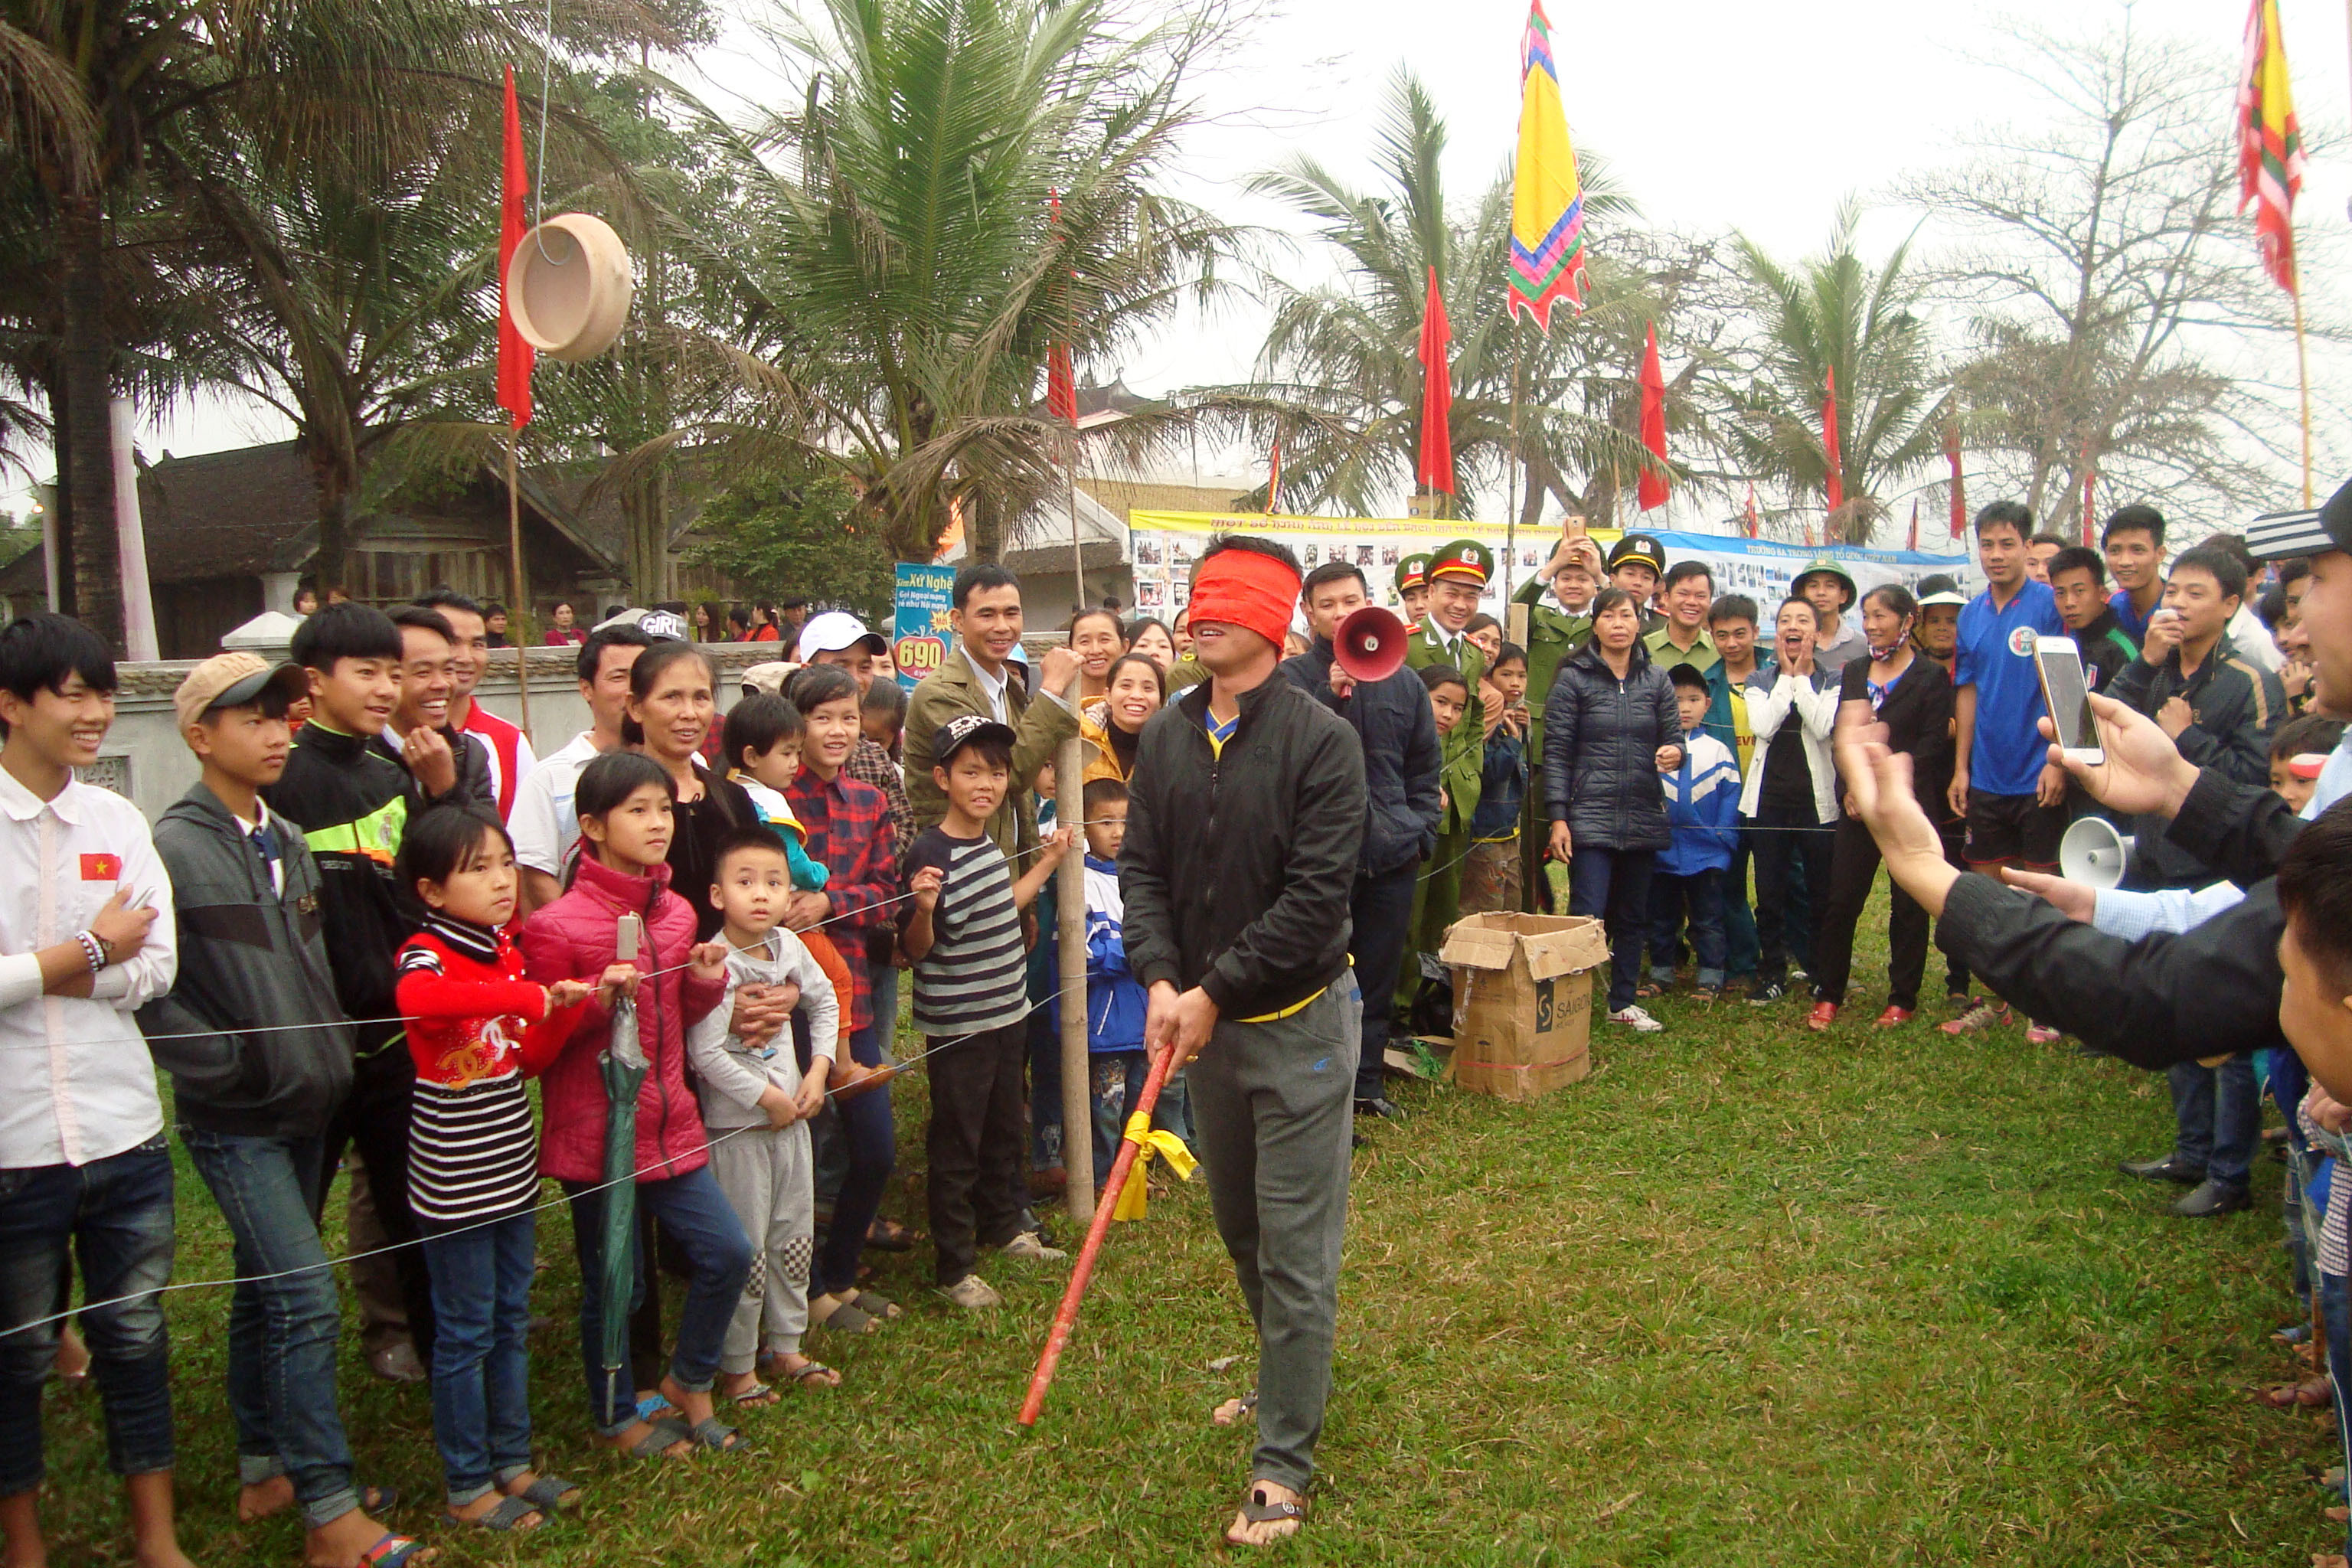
<point>115,1214</point>
<point>2335,1317</point>
<point>2217,1115</point>
<point>872,1140</point>
<point>281,1332</point>
<point>481,1357</point>
<point>1613,885</point>
<point>1702,892</point>
<point>696,1214</point>
<point>1739,947</point>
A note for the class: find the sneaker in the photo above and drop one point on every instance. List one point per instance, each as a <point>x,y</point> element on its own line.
<point>1765,995</point>
<point>1824,1014</point>
<point>972,1294</point>
<point>1031,1248</point>
<point>2042,1034</point>
<point>1981,1015</point>
<point>1635,1019</point>
<point>1892,1017</point>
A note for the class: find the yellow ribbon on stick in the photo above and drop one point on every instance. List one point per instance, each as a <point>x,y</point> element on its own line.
<point>1136,1196</point>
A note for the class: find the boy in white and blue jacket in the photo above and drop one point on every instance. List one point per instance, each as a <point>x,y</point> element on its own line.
<point>1703,813</point>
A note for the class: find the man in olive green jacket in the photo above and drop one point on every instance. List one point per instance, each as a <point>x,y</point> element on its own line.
<point>976,678</point>
<point>1557,600</point>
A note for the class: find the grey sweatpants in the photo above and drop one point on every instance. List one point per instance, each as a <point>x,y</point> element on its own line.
<point>1273,1106</point>
<point>771,1184</point>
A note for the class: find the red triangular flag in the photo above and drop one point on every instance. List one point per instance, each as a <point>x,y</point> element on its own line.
<point>1273,479</point>
<point>1836,465</point>
<point>1436,472</point>
<point>1754,523</point>
<point>1653,488</point>
<point>516,355</point>
<point>1959,499</point>
<point>1915,524</point>
<point>1061,385</point>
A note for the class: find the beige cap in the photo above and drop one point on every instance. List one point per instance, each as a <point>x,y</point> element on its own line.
<point>232,679</point>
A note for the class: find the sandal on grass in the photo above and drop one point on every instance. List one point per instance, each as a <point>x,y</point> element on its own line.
<point>1259,1508</point>
<point>668,1432</point>
<point>813,1372</point>
<point>653,1408</point>
<point>843,1318</point>
<point>397,1551</point>
<point>507,1518</point>
<point>756,1395</point>
<point>1231,1412</point>
<point>552,1493</point>
<point>880,1308</point>
<point>719,1438</point>
<point>889,1236</point>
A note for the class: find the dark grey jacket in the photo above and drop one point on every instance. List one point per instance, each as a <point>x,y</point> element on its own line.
<point>1401,757</point>
<point>251,958</point>
<point>1239,863</point>
<point>1601,737</point>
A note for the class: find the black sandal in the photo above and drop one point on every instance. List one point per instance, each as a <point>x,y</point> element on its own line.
<point>1258,1508</point>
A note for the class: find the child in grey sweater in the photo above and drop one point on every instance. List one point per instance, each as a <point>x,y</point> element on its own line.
<point>766,1172</point>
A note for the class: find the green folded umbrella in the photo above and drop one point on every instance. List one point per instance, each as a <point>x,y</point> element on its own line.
<point>623,1067</point>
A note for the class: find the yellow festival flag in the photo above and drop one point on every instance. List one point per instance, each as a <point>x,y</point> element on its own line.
<point>1547,203</point>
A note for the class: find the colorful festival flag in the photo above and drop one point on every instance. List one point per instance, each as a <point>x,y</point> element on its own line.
<point>515,356</point>
<point>1546,203</point>
<point>1436,470</point>
<point>1835,479</point>
<point>2269,144</point>
<point>1655,487</point>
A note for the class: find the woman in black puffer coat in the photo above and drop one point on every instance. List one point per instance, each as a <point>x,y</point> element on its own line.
<point>1610,731</point>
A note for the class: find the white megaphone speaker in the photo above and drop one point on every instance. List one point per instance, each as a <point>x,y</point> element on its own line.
<point>1370,644</point>
<point>569,286</point>
<point>2095,854</point>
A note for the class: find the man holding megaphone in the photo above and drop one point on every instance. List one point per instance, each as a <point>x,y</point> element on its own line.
<point>1355,667</point>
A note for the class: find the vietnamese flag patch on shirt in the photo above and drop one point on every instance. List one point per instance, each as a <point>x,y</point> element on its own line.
<point>101,868</point>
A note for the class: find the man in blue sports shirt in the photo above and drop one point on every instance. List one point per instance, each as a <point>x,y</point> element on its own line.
<point>2003,787</point>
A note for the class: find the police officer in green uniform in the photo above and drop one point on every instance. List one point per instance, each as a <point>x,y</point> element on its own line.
<point>1457,577</point>
<point>1636,564</point>
<point>1557,600</point>
<point>1413,588</point>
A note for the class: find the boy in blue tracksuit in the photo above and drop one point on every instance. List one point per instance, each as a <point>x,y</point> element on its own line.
<point>1115,999</point>
<point>1703,813</point>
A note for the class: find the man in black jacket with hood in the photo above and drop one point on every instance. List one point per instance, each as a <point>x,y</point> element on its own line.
<point>1245,831</point>
<point>1402,761</point>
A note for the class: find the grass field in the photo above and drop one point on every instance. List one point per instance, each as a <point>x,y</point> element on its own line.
<point>1748,1295</point>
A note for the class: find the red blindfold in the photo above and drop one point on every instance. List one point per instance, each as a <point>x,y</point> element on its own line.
<point>1243,588</point>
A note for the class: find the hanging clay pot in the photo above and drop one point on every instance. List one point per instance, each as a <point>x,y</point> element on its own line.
<point>569,287</point>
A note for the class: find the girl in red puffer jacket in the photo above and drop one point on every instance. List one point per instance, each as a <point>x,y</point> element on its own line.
<point>623,801</point>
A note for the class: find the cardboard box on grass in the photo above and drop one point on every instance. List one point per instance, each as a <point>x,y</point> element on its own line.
<point>1523,1001</point>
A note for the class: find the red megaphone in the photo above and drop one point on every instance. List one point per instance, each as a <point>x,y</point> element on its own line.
<point>1370,644</point>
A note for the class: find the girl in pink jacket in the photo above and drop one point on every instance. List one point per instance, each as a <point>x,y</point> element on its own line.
<point>623,801</point>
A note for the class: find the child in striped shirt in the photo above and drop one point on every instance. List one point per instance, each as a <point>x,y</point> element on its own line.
<point>972,1002</point>
<point>476,1029</point>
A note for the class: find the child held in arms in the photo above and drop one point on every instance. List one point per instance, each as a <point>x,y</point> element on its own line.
<point>1490,872</point>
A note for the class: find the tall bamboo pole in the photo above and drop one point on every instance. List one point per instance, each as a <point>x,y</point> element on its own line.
<point>1070,922</point>
<point>520,592</point>
<point>1511,488</point>
<point>2302,363</point>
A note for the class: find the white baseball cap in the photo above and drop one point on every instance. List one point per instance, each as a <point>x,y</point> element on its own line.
<point>835,630</point>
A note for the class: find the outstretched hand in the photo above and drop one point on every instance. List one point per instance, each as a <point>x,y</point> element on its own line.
<point>1878,778</point>
<point>2144,772</point>
<point>2075,900</point>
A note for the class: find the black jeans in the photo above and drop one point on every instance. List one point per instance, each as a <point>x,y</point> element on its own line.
<point>374,1116</point>
<point>1788,839</point>
<point>974,1145</point>
<point>1852,868</point>
<point>1613,887</point>
<point>1382,910</point>
<point>1954,834</point>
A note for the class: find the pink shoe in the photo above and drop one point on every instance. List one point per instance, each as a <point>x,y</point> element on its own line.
<point>2042,1034</point>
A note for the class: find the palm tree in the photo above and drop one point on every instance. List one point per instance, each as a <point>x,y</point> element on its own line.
<point>326,91</point>
<point>1339,382</point>
<point>1832,313</point>
<point>902,269</point>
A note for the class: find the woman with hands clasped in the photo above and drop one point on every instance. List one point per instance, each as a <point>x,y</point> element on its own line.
<point>1789,803</point>
<point>1610,730</point>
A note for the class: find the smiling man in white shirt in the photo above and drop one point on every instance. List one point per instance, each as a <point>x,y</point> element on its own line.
<point>86,935</point>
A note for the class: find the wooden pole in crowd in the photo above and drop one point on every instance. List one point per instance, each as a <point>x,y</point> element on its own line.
<point>1070,921</point>
<point>519,591</point>
<point>2302,365</point>
<point>1511,485</point>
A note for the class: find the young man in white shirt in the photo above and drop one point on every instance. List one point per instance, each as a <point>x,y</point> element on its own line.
<point>85,937</point>
<point>510,756</point>
<point>542,822</point>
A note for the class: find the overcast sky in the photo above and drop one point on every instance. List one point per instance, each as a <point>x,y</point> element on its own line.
<point>1716,115</point>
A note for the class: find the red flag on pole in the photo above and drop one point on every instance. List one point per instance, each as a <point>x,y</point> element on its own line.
<point>515,354</point>
<point>1959,500</point>
<point>1654,487</point>
<point>1061,386</point>
<point>1836,465</point>
<point>1754,524</point>
<point>1436,470</point>
<point>1273,479</point>
<point>1915,524</point>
